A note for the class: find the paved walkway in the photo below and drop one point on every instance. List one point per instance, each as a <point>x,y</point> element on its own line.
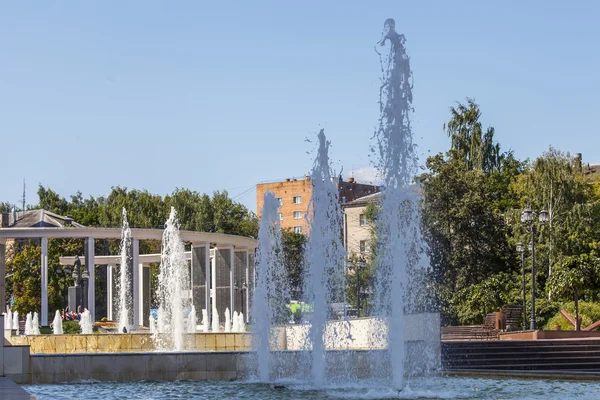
<point>11,391</point>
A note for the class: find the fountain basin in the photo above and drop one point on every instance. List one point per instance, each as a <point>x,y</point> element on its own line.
<point>132,342</point>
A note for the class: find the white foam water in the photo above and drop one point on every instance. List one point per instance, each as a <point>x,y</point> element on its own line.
<point>57,324</point>
<point>400,250</point>
<point>124,299</point>
<point>271,294</point>
<point>85,322</point>
<point>325,278</point>
<point>173,287</point>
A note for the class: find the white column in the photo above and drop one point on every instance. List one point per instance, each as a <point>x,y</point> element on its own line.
<point>2,276</point>
<point>91,267</point>
<point>140,321</point>
<point>44,299</point>
<point>137,283</point>
<point>213,277</point>
<point>207,281</point>
<point>247,294</point>
<point>109,292</point>
<point>232,280</point>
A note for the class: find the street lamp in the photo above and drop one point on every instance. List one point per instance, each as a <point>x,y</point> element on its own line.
<point>521,249</point>
<point>358,266</point>
<point>527,218</point>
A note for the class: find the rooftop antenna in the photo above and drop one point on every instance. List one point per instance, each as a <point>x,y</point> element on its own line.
<point>23,196</point>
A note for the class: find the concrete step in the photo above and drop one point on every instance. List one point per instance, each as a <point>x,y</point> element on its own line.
<point>540,366</point>
<point>522,355</point>
<point>525,360</point>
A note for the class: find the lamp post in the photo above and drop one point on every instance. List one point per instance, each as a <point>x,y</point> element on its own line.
<point>527,218</point>
<point>358,267</point>
<point>521,249</point>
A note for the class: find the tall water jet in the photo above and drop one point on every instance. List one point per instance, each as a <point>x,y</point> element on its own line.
<point>192,320</point>
<point>271,294</point>
<point>241,323</point>
<point>235,322</point>
<point>57,324</point>
<point>173,282</point>
<point>205,321</point>
<point>15,321</point>
<point>85,323</point>
<point>400,248</point>
<point>325,280</point>
<point>36,323</point>
<point>124,300</point>
<point>227,320</point>
<point>215,321</point>
<point>29,324</point>
<point>8,324</point>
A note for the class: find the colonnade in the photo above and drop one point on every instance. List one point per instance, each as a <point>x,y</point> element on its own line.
<point>222,269</point>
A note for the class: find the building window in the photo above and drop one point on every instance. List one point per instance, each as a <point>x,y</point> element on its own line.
<point>363,246</point>
<point>297,214</point>
<point>297,229</point>
<point>280,200</point>
<point>281,216</point>
<point>362,220</point>
<point>297,199</point>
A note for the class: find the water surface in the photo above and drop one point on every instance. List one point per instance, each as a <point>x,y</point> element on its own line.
<point>430,388</point>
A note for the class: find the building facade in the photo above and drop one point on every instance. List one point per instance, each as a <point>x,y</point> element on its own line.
<point>294,198</point>
<point>357,228</point>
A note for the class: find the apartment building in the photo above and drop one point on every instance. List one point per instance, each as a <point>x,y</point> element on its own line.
<point>294,198</point>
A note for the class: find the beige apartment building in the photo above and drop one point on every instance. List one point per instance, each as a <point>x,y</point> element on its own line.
<point>294,197</point>
<point>357,230</point>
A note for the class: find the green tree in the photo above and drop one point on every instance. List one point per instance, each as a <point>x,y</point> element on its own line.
<point>292,244</point>
<point>466,195</point>
<point>470,144</point>
<point>551,183</point>
<point>573,275</point>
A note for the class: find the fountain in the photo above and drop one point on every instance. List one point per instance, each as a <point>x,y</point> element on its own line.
<point>325,279</point>
<point>124,300</point>
<point>227,320</point>
<point>271,294</point>
<point>57,324</point>
<point>205,322</point>
<point>173,284</point>
<point>36,323</point>
<point>216,327</point>
<point>234,323</point>
<point>400,245</point>
<point>192,320</point>
<point>241,323</point>
<point>15,322</point>
<point>8,320</point>
<point>29,324</point>
<point>85,323</point>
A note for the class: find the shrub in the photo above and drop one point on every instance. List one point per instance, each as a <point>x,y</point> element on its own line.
<point>589,312</point>
<point>71,327</point>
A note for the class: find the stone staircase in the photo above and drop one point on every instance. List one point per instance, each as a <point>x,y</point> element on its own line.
<point>581,355</point>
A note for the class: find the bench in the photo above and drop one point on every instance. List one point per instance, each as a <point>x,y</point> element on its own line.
<point>513,317</point>
<point>469,332</point>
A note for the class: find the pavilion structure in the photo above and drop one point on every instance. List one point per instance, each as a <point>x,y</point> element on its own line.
<point>222,268</point>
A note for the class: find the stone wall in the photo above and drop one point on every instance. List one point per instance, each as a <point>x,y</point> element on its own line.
<point>118,343</point>
<point>131,367</point>
<point>366,333</point>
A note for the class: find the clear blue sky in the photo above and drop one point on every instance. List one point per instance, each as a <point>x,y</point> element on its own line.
<point>214,95</point>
